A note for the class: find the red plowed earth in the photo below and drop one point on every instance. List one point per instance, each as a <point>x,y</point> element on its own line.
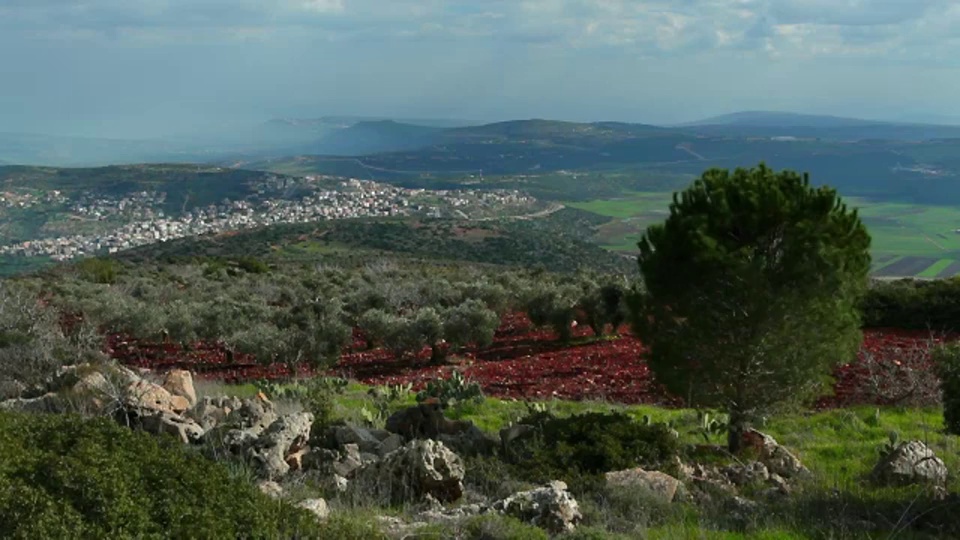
<point>524,362</point>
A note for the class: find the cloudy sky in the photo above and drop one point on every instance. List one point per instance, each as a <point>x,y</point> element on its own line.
<point>146,67</point>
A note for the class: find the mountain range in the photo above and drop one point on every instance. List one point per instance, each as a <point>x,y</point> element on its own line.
<point>358,136</point>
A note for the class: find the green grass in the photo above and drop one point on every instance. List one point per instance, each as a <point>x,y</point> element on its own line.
<point>840,447</point>
<point>918,232</point>
<point>933,270</point>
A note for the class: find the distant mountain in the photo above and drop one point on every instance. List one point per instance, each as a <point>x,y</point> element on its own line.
<point>378,136</point>
<point>779,119</point>
<point>808,126</point>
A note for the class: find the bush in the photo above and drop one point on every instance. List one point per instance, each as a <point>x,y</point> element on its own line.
<point>98,270</point>
<point>580,446</point>
<point>454,390</point>
<point>492,527</point>
<point>946,359</point>
<point>913,304</point>
<point>63,476</point>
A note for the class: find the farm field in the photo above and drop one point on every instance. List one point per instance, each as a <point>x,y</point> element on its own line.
<point>529,363</point>
<point>908,239</point>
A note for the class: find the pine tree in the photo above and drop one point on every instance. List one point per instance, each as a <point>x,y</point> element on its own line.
<point>751,291</point>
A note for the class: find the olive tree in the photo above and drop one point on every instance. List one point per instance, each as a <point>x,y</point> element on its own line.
<point>751,291</point>
<point>470,322</point>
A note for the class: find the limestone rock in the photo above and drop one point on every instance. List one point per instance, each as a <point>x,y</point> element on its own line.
<point>551,507</point>
<point>211,411</point>
<point>179,382</point>
<point>165,422</point>
<point>47,403</point>
<point>418,469</point>
<point>775,457</point>
<point>145,395</point>
<point>317,506</point>
<point>750,473</point>
<point>270,489</point>
<point>288,435</point>
<point>660,484</point>
<point>912,462</point>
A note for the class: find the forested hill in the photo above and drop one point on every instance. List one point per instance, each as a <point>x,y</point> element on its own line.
<point>556,243</point>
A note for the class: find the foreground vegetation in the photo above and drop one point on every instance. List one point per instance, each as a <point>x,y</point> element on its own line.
<point>755,286</point>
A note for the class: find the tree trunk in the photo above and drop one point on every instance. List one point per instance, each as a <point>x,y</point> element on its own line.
<point>436,355</point>
<point>735,430</point>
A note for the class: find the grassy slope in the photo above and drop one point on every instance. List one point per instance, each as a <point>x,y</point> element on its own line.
<point>557,242</point>
<point>840,447</point>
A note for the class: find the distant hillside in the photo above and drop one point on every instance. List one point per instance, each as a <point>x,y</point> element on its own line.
<point>779,119</point>
<point>783,124</point>
<point>557,243</point>
<point>378,136</point>
<point>187,186</point>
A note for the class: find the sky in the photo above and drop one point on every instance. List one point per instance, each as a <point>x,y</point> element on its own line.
<point>143,68</point>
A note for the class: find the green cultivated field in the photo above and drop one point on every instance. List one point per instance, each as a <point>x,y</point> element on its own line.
<point>908,239</point>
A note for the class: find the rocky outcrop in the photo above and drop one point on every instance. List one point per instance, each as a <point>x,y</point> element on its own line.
<point>142,395</point>
<point>418,469</point>
<point>168,423</point>
<point>212,411</point>
<point>911,462</point>
<point>775,457</point>
<point>550,507</point>
<point>426,421</point>
<point>179,382</point>
<point>286,436</point>
<point>662,485</point>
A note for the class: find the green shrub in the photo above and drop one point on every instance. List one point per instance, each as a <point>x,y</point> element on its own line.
<point>913,304</point>
<point>946,360</point>
<point>592,533</point>
<point>577,447</point>
<point>454,390</point>
<point>493,527</point>
<point>98,270</point>
<point>63,476</point>
<point>345,527</point>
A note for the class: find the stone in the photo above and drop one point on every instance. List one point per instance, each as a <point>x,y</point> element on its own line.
<point>660,484</point>
<point>147,396</point>
<point>254,415</point>
<point>352,434</point>
<point>165,422</point>
<point>775,457</point>
<point>469,441</point>
<point>47,403</point>
<point>288,435</point>
<point>270,489</point>
<point>295,460</point>
<point>912,462</point>
<point>179,382</point>
<point>419,468</point>
<point>179,404</point>
<point>212,411</point>
<point>391,443</point>
<point>350,460</point>
<point>317,506</point>
<point>751,473</point>
<point>550,507</point>
<point>93,384</point>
